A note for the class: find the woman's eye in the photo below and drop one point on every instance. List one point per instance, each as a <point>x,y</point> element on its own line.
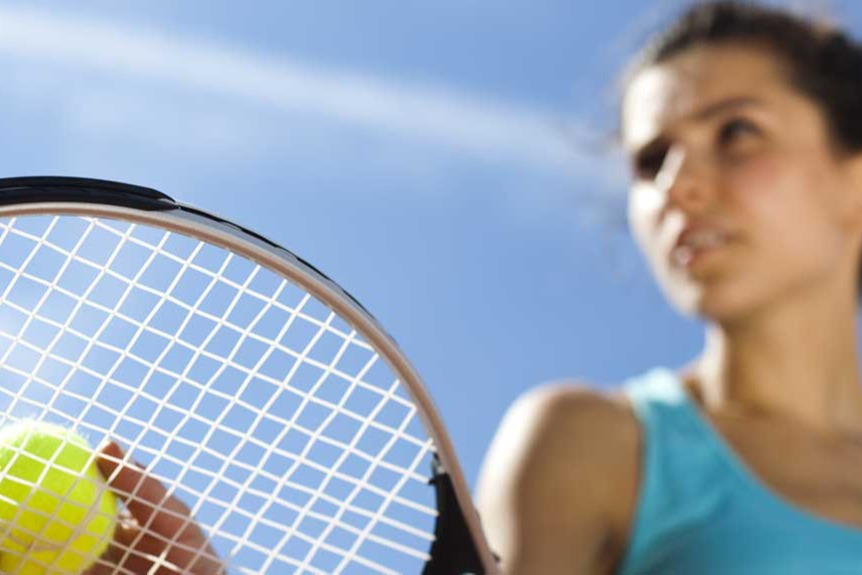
<point>736,129</point>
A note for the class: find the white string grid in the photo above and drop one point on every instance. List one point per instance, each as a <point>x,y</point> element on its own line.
<point>292,442</point>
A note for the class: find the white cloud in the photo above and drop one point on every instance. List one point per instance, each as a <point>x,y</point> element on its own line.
<point>471,125</point>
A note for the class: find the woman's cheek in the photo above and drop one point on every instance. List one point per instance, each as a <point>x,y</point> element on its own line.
<point>772,195</point>
<point>758,180</point>
<point>761,199</point>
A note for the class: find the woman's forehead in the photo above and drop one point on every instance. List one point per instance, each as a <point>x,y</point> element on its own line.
<point>662,95</point>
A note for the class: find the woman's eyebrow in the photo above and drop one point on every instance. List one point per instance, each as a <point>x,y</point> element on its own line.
<point>723,106</point>
<point>707,112</point>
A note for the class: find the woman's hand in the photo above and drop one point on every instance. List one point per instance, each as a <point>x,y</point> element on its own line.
<point>154,529</point>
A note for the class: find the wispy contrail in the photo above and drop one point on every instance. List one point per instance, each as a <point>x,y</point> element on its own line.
<point>474,125</point>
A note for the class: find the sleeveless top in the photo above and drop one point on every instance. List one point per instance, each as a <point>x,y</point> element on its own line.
<point>701,511</point>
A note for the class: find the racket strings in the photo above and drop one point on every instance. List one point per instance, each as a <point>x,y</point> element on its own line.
<point>291,442</point>
<point>131,418</point>
<point>91,339</point>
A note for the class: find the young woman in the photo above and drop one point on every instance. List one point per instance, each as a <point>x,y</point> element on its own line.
<point>744,128</point>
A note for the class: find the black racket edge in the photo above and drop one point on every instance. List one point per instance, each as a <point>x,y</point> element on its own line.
<point>453,551</point>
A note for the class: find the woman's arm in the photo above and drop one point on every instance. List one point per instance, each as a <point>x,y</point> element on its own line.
<point>559,481</point>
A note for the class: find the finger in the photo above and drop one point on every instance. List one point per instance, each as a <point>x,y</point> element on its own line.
<point>132,552</point>
<point>146,498</point>
<point>155,510</point>
<point>124,532</point>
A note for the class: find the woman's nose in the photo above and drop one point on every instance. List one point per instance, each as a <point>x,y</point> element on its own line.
<point>683,177</point>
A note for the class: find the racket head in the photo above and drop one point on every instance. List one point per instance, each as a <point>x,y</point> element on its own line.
<point>259,391</point>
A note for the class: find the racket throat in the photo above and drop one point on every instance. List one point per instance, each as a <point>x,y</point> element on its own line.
<point>453,551</point>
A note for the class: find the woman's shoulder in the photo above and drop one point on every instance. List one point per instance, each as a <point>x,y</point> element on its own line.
<point>601,428</point>
<point>569,450</point>
<point>578,407</point>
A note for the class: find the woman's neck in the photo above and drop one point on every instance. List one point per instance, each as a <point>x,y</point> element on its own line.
<point>800,366</point>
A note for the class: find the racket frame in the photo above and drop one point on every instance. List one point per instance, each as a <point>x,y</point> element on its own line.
<point>54,195</point>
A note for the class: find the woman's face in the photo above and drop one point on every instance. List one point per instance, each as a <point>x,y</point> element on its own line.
<point>717,137</point>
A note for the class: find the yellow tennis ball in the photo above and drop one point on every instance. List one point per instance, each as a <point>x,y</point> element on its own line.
<point>57,516</point>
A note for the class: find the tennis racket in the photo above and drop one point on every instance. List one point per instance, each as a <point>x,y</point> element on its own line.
<point>268,402</point>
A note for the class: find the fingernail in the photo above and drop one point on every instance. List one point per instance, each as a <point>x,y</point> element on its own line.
<point>103,445</point>
<point>112,450</point>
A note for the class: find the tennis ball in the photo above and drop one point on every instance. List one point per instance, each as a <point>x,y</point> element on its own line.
<point>57,516</point>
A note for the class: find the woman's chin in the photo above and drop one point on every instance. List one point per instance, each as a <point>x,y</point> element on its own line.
<point>714,302</point>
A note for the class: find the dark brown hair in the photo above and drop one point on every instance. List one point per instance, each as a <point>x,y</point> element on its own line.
<point>823,62</point>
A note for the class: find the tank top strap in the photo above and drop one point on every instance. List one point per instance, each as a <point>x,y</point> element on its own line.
<point>680,465</point>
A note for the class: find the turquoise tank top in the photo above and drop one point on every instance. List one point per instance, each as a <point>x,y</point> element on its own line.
<point>701,511</point>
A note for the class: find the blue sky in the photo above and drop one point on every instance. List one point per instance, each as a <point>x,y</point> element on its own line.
<point>442,161</point>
